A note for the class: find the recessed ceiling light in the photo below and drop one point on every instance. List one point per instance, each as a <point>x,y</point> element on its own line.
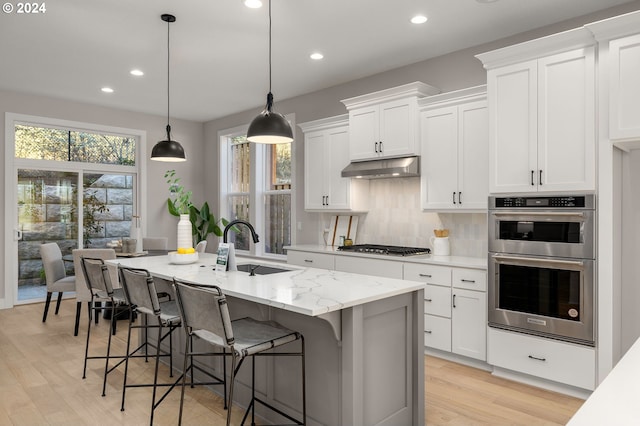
<point>253,4</point>
<point>136,72</point>
<point>107,90</point>
<point>419,19</point>
<point>316,55</point>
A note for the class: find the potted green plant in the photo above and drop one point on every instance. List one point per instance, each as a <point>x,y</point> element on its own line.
<point>203,222</point>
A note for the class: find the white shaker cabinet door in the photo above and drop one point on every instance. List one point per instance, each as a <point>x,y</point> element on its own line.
<point>365,135</point>
<point>469,323</point>
<point>473,156</point>
<point>439,176</point>
<point>314,159</point>
<point>624,93</point>
<point>566,121</point>
<point>398,128</point>
<point>337,158</point>
<point>512,94</point>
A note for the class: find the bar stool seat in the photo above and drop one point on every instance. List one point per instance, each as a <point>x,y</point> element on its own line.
<point>205,314</point>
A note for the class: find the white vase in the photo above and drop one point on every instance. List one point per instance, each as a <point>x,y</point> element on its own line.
<point>184,232</point>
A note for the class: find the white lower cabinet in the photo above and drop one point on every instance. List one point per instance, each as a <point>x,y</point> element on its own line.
<point>469,323</point>
<point>455,306</point>
<point>549,359</point>
<point>311,260</point>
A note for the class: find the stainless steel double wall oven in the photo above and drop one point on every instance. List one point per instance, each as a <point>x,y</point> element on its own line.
<point>542,266</point>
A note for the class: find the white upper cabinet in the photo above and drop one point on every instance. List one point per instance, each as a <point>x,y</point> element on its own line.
<point>619,62</point>
<point>542,115</point>
<point>455,142</point>
<point>384,124</point>
<point>326,153</point>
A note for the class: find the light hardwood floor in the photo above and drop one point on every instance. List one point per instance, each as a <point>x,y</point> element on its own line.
<point>41,384</point>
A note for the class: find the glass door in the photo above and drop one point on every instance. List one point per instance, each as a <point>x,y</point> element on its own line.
<point>47,212</point>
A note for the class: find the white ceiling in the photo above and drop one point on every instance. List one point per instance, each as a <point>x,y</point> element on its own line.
<point>219,48</point>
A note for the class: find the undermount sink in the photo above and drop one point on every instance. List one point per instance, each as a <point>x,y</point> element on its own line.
<point>255,269</point>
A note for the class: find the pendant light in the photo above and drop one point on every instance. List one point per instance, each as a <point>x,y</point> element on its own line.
<point>269,127</point>
<point>168,150</point>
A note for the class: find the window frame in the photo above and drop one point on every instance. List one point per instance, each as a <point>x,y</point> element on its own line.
<point>257,187</point>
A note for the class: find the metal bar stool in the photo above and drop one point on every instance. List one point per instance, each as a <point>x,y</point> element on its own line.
<point>205,314</point>
<point>98,281</point>
<point>140,292</point>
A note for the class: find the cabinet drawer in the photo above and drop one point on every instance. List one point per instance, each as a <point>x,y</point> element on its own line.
<point>437,300</point>
<point>471,279</point>
<point>311,260</point>
<point>437,332</point>
<point>376,267</point>
<point>430,274</point>
<point>549,359</point>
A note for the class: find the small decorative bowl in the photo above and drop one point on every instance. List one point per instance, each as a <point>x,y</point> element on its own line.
<point>182,259</point>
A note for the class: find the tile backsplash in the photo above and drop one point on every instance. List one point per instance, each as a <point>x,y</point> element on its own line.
<point>395,218</point>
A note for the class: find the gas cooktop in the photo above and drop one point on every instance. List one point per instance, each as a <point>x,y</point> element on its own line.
<point>382,249</point>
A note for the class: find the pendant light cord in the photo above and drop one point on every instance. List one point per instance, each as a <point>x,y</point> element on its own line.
<point>168,78</point>
<point>269,46</point>
<point>269,95</point>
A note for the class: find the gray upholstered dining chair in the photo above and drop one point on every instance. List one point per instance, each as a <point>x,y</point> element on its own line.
<point>98,279</point>
<point>55,275</point>
<point>83,293</point>
<point>155,243</point>
<point>205,314</point>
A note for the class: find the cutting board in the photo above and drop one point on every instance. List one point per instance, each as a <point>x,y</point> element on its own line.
<point>346,226</point>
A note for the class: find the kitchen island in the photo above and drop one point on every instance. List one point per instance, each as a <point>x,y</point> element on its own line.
<point>364,339</point>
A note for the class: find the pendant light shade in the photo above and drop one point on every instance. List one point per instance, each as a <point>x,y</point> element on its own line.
<point>168,150</point>
<point>269,127</point>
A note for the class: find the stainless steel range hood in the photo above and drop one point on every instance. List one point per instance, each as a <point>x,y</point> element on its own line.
<point>385,168</point>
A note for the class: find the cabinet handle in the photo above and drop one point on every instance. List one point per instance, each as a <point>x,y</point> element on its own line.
<point>468,281</point>
<point>428,331</point>
<point>425,275</point>
<point>428,300</point>
<point>380,147</point>
<point>327,197</point>
<point>537,359</point>
<point>532,174</point>
<point>323,201</point>
<point>454,300</point>
<point>376,147</point>
<point>459,197</point>
<point>308,260</point>
<point>540,178</point>
<point>453,196</point>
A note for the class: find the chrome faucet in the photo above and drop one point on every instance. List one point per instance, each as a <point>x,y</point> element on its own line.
<point>238,221</point>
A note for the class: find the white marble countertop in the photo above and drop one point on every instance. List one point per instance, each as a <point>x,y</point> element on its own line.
<point>309,291</point>
<point>615,400</point>
<point>456,261</point>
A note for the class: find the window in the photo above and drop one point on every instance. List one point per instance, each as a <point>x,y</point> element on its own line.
<point>261,176</point>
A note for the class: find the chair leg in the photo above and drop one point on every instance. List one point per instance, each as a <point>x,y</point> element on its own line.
<point>233,379</point>
<point>98,305</point>
<point>78,309</point>
<point>187,342</point>
<point>106,362</point>
<point>58,302</point>
<point>86,348</point>
<point>46,306</point>
<point>126,364</point>
<point>155,376</point>
<point>304,387</point>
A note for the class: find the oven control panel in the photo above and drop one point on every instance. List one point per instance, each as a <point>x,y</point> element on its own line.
<point>548,202</point>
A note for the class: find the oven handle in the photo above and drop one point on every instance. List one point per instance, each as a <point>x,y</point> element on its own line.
<point>527,261</point>
<point>521,215</point>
